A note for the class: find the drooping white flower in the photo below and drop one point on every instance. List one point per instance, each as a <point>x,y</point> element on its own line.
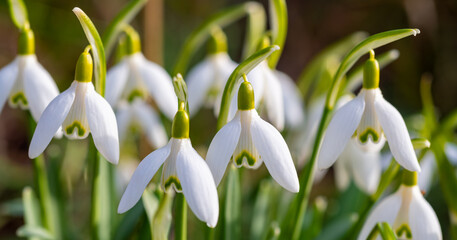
<point>79,110</point>
<point>183,170</point>
<point>364,167</point>
<point>135,76</point>
<point>409,214</point>
<point>141,114</point>
<point>248,141</point>
<point>24,82</point>
<point>372,120</point>
<point>294,113</point>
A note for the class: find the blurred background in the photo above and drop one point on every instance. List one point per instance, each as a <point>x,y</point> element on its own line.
<point>164,26</point>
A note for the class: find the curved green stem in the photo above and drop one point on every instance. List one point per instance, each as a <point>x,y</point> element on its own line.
<point>278,17</point>
<point>255,12</point>
<point>181,217</point>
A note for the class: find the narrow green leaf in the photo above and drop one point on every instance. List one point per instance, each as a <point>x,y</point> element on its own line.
<point>355,78</point>
<point>18,13</point>
<point>278,23</point>
<point>220,19</point>
<point>98,51</point>
<point>34,232</point>
<point>162,220</point>
<point>235,79</point>
<point>384,230</point>
<point>32,211</point>
<point>261,210</point>
<point>116,25</point>
<point>181,217</point>
<point>255,29</point>
<point>232,206</point>
<point>362,48</point>
<point>127,225</point>
<point>428,108</point>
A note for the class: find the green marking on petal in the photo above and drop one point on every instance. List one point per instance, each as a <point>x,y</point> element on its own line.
<point>404,229</point>
<point>245,154</point>
<point>369,131</point>
<point>76,125</point>
<point>19,97</point>
<point>173,180</point>
<point>136,93</point>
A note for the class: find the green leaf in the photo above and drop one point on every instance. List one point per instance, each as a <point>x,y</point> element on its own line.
<point>232,206</point>
<point>162,219</point>
<point>32,211</point>
<point>428,109</point>
<point>355,78</point>
<point>362,48</point>
<point>220,19</point>
<point>382,229</point>
<point>34,232</point>
<point>255,29</point>
<point>235,79</point>
<point>19,14</point>
<point>117,24</point>
<point>278,23</point>
<point>98,51</point>
<point>261,210</point>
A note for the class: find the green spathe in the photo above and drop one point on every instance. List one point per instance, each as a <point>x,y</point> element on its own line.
<point>409,178</point>
<point>217,42</point>
<point>84,67</point>
<point>26,42</point>
<point>133,41</point>
<point>246,96</point>
<point>180,128</point>
<point>371,73</point>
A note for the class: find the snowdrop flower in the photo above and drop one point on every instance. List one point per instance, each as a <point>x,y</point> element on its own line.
<point>206,81</point>
<point>364,167</point>
<point>294,114</point>
<point>409,214</point>
<point>183,170</point>
<point>24,82</point>
<point>139,113</point>
<point>79,110</point>
<point>135,76</point>
<point>248,141</point>
<point>372,120</point>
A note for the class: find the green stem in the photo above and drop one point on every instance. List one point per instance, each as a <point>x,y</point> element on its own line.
<point>181,217</point>
<point>102,213</point>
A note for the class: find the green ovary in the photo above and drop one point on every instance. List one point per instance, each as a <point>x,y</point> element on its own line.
<point>173,180</point>
<point>18,98</point>
<point>249,158</point>
<point>369,132</point>
<point>404,229</point>
<point>76,125</point>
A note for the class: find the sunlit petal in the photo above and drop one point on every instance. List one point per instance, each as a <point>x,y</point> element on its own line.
<point>51,120</point>
<point>222,147</point>
<point>103,126</point>
<point>197,184</point>
<point>273,98</point>
<point>199,82</point>
<point>293,104</point>
<point>8,75</point>
<point>275,153</point>
<point>422,219</point>
<point>142,176</point>
<point>116,79</point>
<point>124,119</point>
<point>150,122</point>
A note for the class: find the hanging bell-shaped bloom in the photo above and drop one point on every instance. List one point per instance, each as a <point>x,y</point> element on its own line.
<point>372,120</point>
<point>409,214</point>
<point>183,170</point>
<point>364,167</point>
<point>248,141</point>
<point>139,113</point>
<point>134,76</point>
<point>24,82</point>
<point>79,110</point>
<point>294,113</point>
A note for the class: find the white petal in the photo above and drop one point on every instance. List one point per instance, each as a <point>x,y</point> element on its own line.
<point>160,85</point>
<point>275,153</point>
<point>422,219</point>
<point>51,120</point>
<point>428,167</point>
<point>197,185</point>
<point>116,79</point>
<point>221,148</point>
<point>39,88</point>
<point>340,130</point>
<point>293,104</point>
<point>8,75</point>
<point>342,175</point>
<point>199,82</point>
<point>142,176</point>
<point>273,98</point>
<point>385,211</point>
<point>256,78</point>
<point>150,122</point>
<point>124,118</point>
<point>365,167</point>
<point>103,126</point>
<point>396,133</point>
